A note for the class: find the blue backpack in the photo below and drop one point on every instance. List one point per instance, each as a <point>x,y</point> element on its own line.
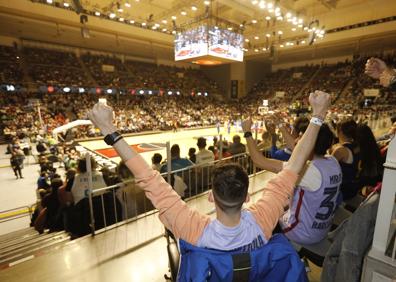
<point>275,261</point>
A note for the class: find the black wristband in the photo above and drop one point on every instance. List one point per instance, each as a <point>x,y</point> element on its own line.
<point>247,134</point>
<point>111,139</point>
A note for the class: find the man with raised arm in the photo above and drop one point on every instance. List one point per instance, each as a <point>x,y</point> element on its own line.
<point>378,69</point>
<point>233,227</point>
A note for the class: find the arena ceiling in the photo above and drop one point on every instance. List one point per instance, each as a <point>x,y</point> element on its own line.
<point>131,29</point>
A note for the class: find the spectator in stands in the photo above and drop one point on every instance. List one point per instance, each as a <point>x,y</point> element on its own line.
<point>203,155</point>
<point>347,153</point>
<point>42,181</point>
<point>176,161</point>
<point>371,165</point>
<point>156,161</point>
<point>54,221</point>
<point>223,146</point>
<point>233,227</point>
<point>290,137</point>
<point>236,146</point>
<point>306,221</point>
<point>378,69</point>
<point>191,155</point>
<point>80,183</point>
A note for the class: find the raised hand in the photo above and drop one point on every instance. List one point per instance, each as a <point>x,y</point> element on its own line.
<point>102,117</point>
<point>320,102</point>
<point>375,67</point>
<point>247,125</point>
<point>386,77</point>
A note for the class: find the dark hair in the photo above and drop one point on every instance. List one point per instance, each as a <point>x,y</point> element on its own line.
<point>175,151</point>
<point>324,140</point>
<point>301,124</point>
<point>230,187</point>
<point>201,143</point>
<point>157,158</point>
<point>191,151</point>
<point>82,165</point>
<point>370,155</point>
<point>56,183</point>
<point>236,139</point>
<point>348,128</point>
<point>123,171</point>
<point>211,148</point>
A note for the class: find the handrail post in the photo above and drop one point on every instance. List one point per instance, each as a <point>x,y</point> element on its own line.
<point>90,185</point>
<point>168,162</point>
<point>221,147</point>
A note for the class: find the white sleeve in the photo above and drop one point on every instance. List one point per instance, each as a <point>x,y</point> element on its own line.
<point>312,179</point>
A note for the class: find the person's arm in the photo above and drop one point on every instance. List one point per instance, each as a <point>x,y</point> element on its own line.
<point>184,222</point>
<point>340,153</point>
<point>257,157</point>
<point>269,208</point>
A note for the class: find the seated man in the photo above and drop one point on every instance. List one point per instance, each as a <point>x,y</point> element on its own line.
<point>290,137</point>
<point>176,161</point>
<point>233,227</point>
<point>312,207</point>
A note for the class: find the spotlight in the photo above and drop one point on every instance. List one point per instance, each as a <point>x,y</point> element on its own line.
<point>97,13</point>
<point>112,15</point>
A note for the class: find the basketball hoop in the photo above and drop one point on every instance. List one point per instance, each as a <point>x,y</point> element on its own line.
<point>263,110</point>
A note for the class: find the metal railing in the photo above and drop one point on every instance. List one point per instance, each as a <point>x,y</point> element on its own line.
<point>124,202</point>
<point>16,213</point>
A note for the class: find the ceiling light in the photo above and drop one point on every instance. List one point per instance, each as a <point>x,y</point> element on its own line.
<point>154,27</point>
<point>268,35</point>
<point>254,2</point>
<point>293,29</point>
<point>164,30</point>
<point>300,25</point>
<point>264,49</point>
<point>183,13</point>
<point>173,31</point>
<point>262,5</point>
<point>112,15</point>
<point>230,28</point>
<point>280,32</point>
<point>97,13</point>
<point>207,3</point>
<point>256,37</point>
<point>164,21</point>
<point>241,25</point>
<point>144,24</point>
<point>194,8</point>
<point>174,17</point>
<point>282,46</point>
<point>254,21</point>
<point>288,15</point>
<point>300,20</point>
<point>121,19</point>
<point>66,4</point>
<point>279,18</point>
<point>267,18</point>
<point>132,21</point>
<point>127,4</point>
<point>246,40</point>
<point>303,42</point>
<point>120,10</point>
<point>256,50</point>
<point>49,1</point>
<point>270,5</point>
<point>305,28</point>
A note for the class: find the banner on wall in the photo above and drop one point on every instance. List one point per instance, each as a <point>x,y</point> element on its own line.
<point>280,94</point>
<point>371,92</point>
<point>108,68</point>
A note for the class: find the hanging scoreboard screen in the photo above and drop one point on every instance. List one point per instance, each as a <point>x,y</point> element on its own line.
<point>209,42</point>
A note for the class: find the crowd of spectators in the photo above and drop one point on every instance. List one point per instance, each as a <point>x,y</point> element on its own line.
<point>10,71</point>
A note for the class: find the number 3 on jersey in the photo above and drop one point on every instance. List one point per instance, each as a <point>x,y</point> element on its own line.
<point>328,203</point>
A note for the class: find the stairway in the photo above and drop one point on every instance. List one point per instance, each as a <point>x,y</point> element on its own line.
<point>26,244</point>
<point>306,85</point>
<point>88,74</point>
<point>27,79</point>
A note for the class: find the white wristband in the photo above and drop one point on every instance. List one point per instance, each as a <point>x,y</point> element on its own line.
<point>316,121</point>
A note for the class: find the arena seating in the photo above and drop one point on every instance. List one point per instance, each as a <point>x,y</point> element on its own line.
<point>10,71</point>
